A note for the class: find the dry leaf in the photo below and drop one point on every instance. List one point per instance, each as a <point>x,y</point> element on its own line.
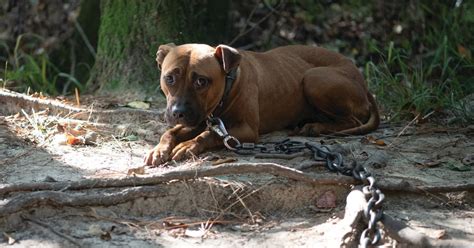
<point>60,128</point>
<point>326,200</point>
<point>464,52</point>
<point>73,140</point>
<point>223,161</point>
<point>138,105</point>
<point>105,236</point>
<point>440,234</point>
<point>429,163</point>
<point>8,238</point>
<point>136,171</point>
<point>372,140</point>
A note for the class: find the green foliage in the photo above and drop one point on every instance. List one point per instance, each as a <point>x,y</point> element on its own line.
<point>438,79</point>
<point>34,71</point>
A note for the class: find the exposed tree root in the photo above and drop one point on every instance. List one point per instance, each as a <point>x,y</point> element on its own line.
<point>70,239</point>
<point>13,102</point>
<point>116,191</point>
<point>406,186</point>
<point>77,199</point>
<point>203,170</point>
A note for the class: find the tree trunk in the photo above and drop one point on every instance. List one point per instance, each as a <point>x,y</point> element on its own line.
<point>131,31</point>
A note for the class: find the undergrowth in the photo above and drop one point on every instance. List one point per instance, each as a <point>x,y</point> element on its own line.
<point>437,80</point>
<point>34,70</point>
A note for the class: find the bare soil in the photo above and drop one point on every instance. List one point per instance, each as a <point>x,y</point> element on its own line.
<point>251,210</point>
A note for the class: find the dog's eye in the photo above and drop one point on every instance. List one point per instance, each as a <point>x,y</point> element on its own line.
<point>201,82</point>
<point>169,79</point>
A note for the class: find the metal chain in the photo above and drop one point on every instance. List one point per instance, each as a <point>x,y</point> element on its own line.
<point>373,210</point>
<point>334,162</point>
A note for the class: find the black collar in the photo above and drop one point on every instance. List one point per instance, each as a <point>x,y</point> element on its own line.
<point>229,81</point>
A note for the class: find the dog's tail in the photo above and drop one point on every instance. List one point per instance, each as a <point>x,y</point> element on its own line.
<point>370,125</point>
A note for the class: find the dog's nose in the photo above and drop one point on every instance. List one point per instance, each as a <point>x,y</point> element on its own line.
<point>178,111</point>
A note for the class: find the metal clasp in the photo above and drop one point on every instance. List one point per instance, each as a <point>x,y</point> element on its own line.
<point>216,125</point>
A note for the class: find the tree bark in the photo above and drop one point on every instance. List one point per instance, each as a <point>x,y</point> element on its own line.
<point>131,31</point>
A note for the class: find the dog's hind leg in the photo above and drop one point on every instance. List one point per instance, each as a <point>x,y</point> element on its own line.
<point>340,96</point>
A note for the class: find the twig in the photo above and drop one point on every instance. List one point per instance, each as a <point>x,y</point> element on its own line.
<point>55,198</point>
<point>403,233</point>
<point>247,21</point>
<point>204,170</point>
<point>51,229</point>
<point>241,34</point>
<point>244,205</point>
<point>85,39</point>
<point>222,212</point>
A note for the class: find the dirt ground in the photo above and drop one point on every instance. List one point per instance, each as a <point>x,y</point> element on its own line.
<point>251,210</point>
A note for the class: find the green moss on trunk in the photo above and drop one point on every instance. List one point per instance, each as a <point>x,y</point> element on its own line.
<point>131,32</point>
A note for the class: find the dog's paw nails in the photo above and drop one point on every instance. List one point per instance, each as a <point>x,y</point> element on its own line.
<point>157,156</point>
<point>184,150</point>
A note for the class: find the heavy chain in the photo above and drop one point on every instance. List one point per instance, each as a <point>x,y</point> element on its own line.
<point>334,162</point>
<point>373,210</point>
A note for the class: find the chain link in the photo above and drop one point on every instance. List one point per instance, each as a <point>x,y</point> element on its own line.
<point>373,212</point>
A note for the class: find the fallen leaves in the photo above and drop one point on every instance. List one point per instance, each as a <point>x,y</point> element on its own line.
<point>138,105</point>
<point>428,163</point>
<point>372,140</point>
<point>326,200</point>
<point>8,238</point>
<point>224,160</point>
<point>439,234</point>
<point>464,52</point>
<point>74,136</point>
<point>136,171</point>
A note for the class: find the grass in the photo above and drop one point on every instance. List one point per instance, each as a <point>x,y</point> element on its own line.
<point>35,71</point>
<point>435,81</point>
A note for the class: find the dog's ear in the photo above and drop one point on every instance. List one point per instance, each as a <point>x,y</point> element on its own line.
<point>163,50</point>
<point>228,57</point>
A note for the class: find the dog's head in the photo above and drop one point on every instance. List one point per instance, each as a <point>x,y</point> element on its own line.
<point>193,79</point>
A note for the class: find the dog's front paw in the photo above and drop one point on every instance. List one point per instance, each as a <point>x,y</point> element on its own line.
<point>186,149</point>
<point>158,155</point>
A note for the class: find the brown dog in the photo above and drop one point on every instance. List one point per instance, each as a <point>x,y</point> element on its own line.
<point>255,93</point>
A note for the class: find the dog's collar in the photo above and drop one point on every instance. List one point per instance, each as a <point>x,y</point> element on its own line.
<point>229,81</point>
